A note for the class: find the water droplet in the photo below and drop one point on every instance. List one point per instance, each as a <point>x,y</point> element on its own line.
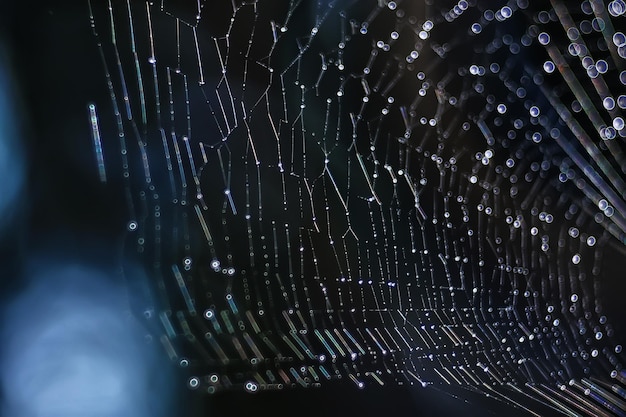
<point>608,103</point>
<point>543,38</point>
<point>194,382</point>
<point>251,386</point>
<point>616,8</point>
<point>573,33</point>
<point>549,67</point>
<point>534,111</point>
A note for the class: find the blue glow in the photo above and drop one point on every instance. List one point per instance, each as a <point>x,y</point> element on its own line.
<point>74,349</point>
<point>11,153</point>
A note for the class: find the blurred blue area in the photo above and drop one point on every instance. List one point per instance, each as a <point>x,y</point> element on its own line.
<point>12,162</point>
<point>71,345</point>
<point>73,349</point>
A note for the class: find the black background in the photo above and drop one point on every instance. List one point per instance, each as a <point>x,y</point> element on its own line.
<point>65,209</point>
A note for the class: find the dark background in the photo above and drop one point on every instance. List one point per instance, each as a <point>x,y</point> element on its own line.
<point>65,209</point>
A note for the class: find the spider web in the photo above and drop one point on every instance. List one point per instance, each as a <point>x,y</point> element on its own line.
<point>388,193</point>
